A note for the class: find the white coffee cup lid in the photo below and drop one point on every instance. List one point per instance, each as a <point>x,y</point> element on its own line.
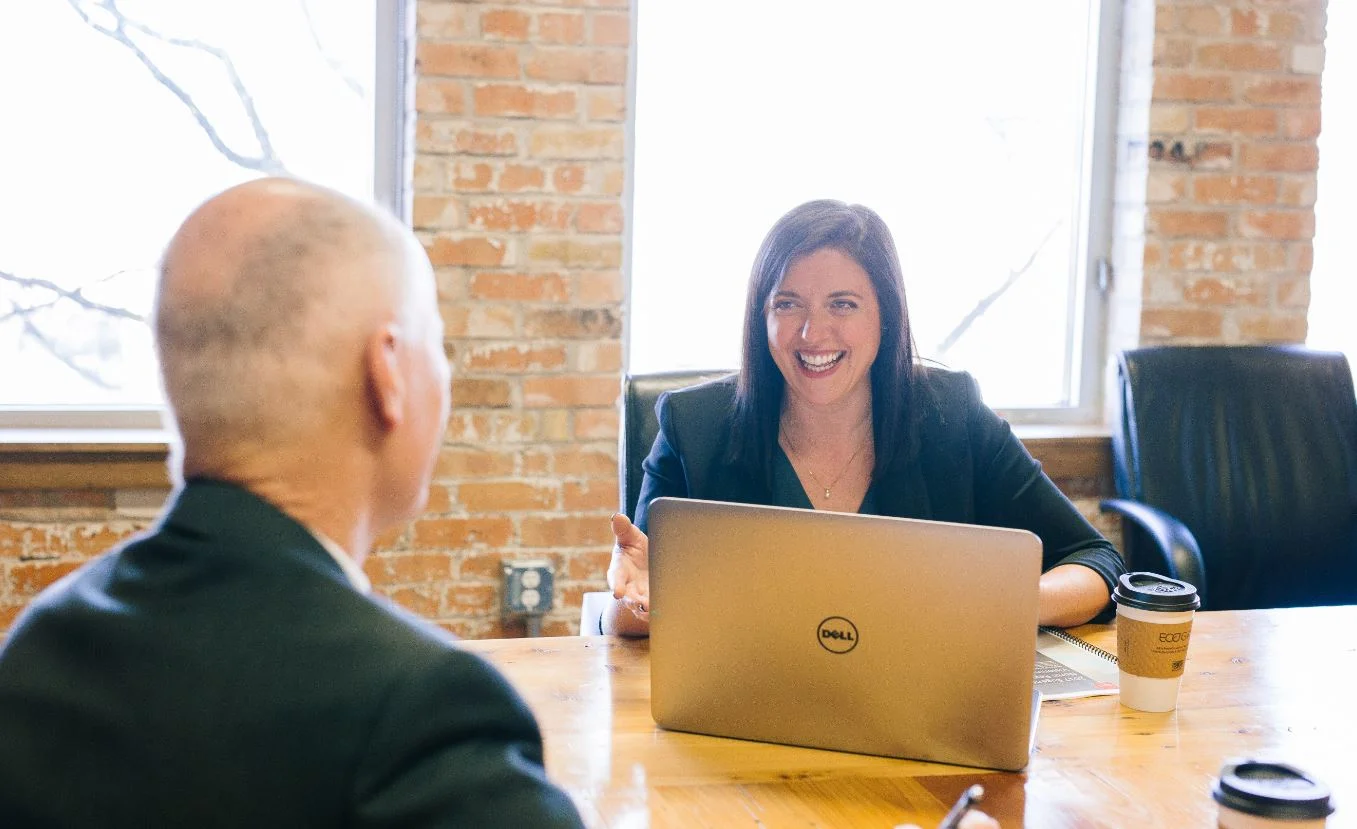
<point>1271,790</point>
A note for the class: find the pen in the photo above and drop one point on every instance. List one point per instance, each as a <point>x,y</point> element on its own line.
<point>963,805</point>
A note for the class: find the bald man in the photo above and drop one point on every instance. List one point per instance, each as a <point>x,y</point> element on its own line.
<point>229,668</point>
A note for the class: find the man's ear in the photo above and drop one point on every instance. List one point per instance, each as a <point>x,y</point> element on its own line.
<point>384,377</point>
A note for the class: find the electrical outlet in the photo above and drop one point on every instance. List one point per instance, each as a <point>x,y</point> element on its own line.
<point>528,586</point>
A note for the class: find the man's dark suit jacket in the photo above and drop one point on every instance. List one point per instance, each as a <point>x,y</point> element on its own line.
<point>967,468</point>
<point>222,671</point>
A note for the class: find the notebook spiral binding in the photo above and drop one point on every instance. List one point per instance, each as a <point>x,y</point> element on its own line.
<point>1076,641</point>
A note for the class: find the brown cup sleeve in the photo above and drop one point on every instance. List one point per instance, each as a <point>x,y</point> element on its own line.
<point>1152,650</point>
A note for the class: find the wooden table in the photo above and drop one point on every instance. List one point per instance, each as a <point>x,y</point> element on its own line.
<point>1275,684</point>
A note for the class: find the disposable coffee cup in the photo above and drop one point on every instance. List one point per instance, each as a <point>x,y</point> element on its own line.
<point>1154,623</point>
<point>1258,795</point>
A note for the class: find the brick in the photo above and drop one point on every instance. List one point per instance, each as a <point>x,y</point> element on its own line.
<point>1200,20</point>
<point>1294,292</point>
<point>518,101</point>
<point>1189,86</point>
<point>596,424</point>
<point>1226,258</point>
<point>1236,120</point>
<point>598,287</point>
<point>466,60</point>
<point>481,392</point>
<point>443,20</point>
<point>1304,254</point>
<point>536,463</point>
<point>517,178</point>
<point>29,578</point>
<point>1307,59</point>
<point>574,252</point>
<point>1151,256</point>
<point>568,178</point>
<point>471,176</point>
<point>1291,91</point>
<point>509,215</point>
<point>611,181</point>
<point>566,531</point>
<point>458,533</point>
<point>475,251</point>
<point>1272,327</point>
<point>1223,291</point>
<point>1173,223</point>
<point>1165,186</point>
<point>408,569</point>
<point>582,462</point>
<point>1218,155</point>
<point>438,503</point>
<point>519,287</point>
<point>472,462</point>
<point>1210,189</point>
<point>1300,123</point>
<point>441,96</point>
<point>560,27</point>
<point>93,539</point>
<point>485,566</point>
<point>480,321</point>
<point>599,218</point>
<point>590,567</point>
<point>569,391</point>
<point>599,357</point>
<point>456,137</point>
<point>507,496</point>
<point>587,496</point>
<point>576,65</point>
<point>572,323</point>
<point>480,599</point>
<point>416,600</point>
<point>1280,157</point>
<point>1297,191</point>
<point>607,104</point>
<point>505,24</point>
<point>1168,119</point>
<point>484,428</point>
<point>1285,225</point>
<point>576,142</point>
<point>1181,323</point>
<point>553,425</point>
<point>610,29</point>
<point>1240,57</point>
<point>435,213</point>
<point>1272,25</point>
<point>1172,53</point>
<point>515,358</point>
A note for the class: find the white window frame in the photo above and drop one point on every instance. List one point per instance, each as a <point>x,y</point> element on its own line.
<point>393,92</point>
<point>1092,261</point>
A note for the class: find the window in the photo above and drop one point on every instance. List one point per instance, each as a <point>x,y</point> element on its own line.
<point>972,128</point>
<point>130,113</point>
<point>1333,278</point>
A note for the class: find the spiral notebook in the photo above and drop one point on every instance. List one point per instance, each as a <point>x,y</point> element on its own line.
<point>1069,667</point>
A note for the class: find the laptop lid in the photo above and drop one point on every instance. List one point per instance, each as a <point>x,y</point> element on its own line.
<point>887,636</point>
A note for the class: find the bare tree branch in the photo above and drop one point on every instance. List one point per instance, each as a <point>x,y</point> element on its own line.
<point>960,329</point>
<point>77,296</point>
<point>334,63</point>
<point>41,339</point>
<point>267,160</point>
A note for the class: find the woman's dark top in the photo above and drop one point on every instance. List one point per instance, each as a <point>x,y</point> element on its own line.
<point>968,468</point>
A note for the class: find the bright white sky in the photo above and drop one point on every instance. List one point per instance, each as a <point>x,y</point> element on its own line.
<point>1333,282</point>
<point>100,163</point>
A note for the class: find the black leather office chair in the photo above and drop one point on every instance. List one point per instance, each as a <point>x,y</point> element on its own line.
<point>1237,471</point>
<point>639,425</point>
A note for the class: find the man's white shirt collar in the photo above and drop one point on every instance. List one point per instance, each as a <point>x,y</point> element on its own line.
<point>352,571</point>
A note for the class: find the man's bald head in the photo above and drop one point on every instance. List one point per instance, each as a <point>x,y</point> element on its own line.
<point>267,295</point>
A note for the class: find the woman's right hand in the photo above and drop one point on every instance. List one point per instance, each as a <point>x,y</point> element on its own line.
<point>629,571</point>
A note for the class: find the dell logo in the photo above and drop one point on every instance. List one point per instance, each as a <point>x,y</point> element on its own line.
<point>837,635</point>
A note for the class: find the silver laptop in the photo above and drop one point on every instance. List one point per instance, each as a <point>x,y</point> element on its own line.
<point>887,636</point>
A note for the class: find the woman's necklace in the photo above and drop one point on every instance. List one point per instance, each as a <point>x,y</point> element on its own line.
<point>827,487</point>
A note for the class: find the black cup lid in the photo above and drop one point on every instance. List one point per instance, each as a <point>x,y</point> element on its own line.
<point>1151,591</point>
<point>1271,790</point>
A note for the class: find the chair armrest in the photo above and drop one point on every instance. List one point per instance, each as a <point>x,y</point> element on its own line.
<point>592,605</point>
<point>1175,548</point>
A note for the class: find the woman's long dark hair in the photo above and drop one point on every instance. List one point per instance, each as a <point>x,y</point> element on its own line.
<point>857,232</point>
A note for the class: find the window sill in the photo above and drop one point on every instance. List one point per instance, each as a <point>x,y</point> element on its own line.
<point>83,459</point>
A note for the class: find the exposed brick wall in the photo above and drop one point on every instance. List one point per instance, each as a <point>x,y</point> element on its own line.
<point>518,181</point>
<point>1231,187</point>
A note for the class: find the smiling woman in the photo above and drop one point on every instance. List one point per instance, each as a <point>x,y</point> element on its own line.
<point>831,410</point>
